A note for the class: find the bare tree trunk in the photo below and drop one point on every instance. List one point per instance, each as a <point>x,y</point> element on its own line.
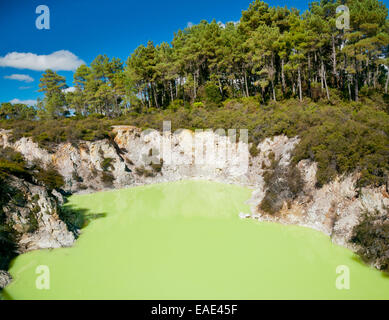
<point>171,90</point>
<point>149,95</point>
<point>315,56</point>
<point>220,87</point>
<point>233,88</point>
<point>324,80</point>
<point>374,79</point>
<point>334,70</point>
<point>325,83</point>
<point>194,87</point>
<point>163,94</point>
<point>349,88</point>
<point>155,95</point>
<point>273,77</point>
<point>283,76</point>
<point>241,83</point>
<point>274,91</point>
<point>387,80</point>
<point>356,88</point>
<point>245,80</point>
<point>299,84</point>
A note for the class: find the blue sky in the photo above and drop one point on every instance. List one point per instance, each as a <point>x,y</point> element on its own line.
<point>86,28</point>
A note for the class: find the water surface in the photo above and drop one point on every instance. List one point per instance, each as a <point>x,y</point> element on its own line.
<point>185,240</point>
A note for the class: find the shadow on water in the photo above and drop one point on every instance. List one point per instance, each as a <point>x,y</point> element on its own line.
<point>5,296</point>
<point>359,260</point>
<point>77,218</point>
<point>74,218</point>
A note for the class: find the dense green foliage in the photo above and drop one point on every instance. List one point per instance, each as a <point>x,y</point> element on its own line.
<point>17,111</point>
<point>372,237</point>
<point>13,163</point>
<point>48,133</point>
<point>272,53</point>
<point>341,138</point>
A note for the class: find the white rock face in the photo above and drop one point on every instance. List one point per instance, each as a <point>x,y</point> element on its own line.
<point>37,222</point>
<point>335,209</point>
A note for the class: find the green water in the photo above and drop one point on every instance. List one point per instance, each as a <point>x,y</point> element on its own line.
<point>185,241</point>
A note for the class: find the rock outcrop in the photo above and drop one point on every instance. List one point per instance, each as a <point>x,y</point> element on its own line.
<point>5,279</point>
<point>33,214</point>
<point>335,209</point>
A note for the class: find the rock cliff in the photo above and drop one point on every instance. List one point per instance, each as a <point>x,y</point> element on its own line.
<point>33,214</point>
<point>135,158</point>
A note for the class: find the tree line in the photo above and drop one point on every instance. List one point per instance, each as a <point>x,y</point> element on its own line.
<point>274,53</point>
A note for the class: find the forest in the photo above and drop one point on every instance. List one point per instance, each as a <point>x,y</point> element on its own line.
<point>273,53</point>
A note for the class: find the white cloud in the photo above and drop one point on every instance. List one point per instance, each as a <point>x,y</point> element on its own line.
<point>20,77</point>
<point>189,25</point>
<point>70,89</point>
<point>60,60</point>
<point>27,102</point>
<point>223,25</point>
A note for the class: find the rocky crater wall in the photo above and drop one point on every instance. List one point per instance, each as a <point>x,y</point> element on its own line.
<point>133,158</point>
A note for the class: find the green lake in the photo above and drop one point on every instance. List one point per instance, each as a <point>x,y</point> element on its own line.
<point>185,240</point>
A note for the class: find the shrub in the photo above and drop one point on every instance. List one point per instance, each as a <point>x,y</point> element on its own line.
<point>254,152</point>
<point>157,167</point>
<point>8,247</point>
<point>198,105</point>
<point>33,224</point>
<point>213,95</point>
<point>107,164</point>
<point>48,133</point>
<point>142,171</point>
<point>107,179</point>
<point>283,184</point>
<point>372,237</point>
<point>50,178</point>
<point>175,105</point>
<point>317,91</point>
